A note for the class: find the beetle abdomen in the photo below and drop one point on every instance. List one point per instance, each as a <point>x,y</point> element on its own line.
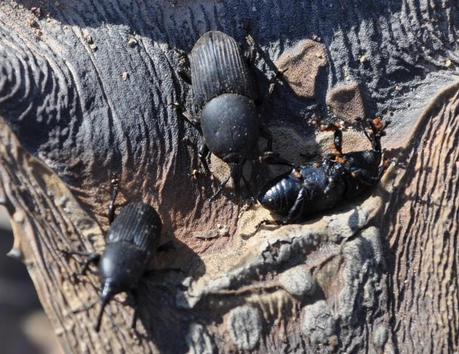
<point>138,224</point>
<point>316,182</point>
<point>280,196</point>
<point>230,126</point>
<point>217,67</point>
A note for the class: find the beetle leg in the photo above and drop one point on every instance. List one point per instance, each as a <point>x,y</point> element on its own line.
<point>135,317</point>
<point>364,129</point>
<point>371,138</point>
<point>338,140</point>
<point>236,186</point>
<point>203,151</point>
<point>297,208</point>
<point>86,307</point>
<point>272,84</point>
<point>191,119</point>
<point>251,53</point>
<point>247,186</point>
<point>378,127</point>
<point>220,189</point>
<point>237,174</point>
<point>337,136</point>
<point>273,158</point>
<point>377,131</point>
<point>184,70</point>
<point>112,207</point>
<point>251,56</point>
<point>93,258</point>
<point>186,116</point>
<point>266,133</point>
<point>364,177</point>
<point>204,154</point>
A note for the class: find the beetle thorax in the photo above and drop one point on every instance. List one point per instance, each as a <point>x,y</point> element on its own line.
<point>230,126</point>
<point>123,265</point>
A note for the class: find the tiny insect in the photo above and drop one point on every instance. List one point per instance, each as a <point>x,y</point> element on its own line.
<point>131,244</point>
<point>224,93</point>
<point>308,189</point>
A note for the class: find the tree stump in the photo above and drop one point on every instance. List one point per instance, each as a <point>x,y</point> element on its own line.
<point>88,91</point>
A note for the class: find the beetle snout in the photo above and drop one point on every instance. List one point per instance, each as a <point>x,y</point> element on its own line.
<point>107,294</point>
<point>108,291</point>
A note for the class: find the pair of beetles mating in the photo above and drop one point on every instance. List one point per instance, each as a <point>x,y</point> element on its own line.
<point>223,91</point>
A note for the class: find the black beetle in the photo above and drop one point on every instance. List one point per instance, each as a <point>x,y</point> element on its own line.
<point>132,241</point>
<point>310,189</point>
<point>224,93</point>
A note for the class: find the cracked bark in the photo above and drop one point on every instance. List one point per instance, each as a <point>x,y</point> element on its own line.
<point>87,90</point>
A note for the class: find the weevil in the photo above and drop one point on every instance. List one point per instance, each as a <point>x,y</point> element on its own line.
<point>131,244</point>
<point>224,93</point>
<point>309,189</point>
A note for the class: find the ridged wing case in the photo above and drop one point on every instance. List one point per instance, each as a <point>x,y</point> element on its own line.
<point>218,67</point>
<point>138,224</point>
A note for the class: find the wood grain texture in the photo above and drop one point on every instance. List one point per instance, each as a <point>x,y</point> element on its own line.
<point>87,90</point>
<point>422,222</point>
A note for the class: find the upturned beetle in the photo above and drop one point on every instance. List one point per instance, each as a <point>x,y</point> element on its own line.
<point>310,189</point>
<point>225,95</point>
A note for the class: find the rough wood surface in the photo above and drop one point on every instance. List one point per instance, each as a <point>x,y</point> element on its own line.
<point>87,89</point>
<point>421,223</point>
